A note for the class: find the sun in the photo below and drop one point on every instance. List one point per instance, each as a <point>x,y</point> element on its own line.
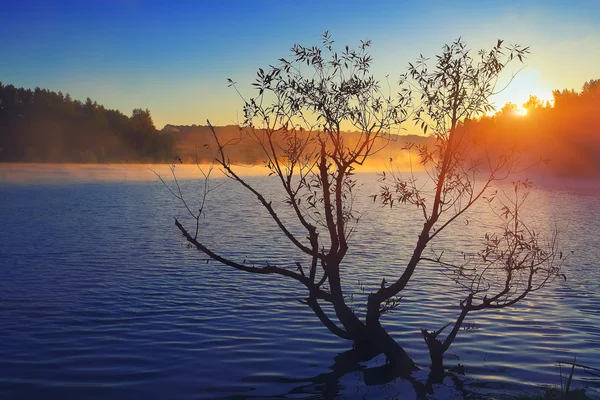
<point>518,89</point>
<point>521,111</point>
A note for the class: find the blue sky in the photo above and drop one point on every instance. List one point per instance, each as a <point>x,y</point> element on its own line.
<point>175,57</point>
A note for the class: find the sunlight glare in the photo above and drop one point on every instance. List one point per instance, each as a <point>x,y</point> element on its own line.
<point>527,82</point>
<point>521,111</point>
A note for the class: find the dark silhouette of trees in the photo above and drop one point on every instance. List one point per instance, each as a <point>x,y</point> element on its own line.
<point>566,133</point>
<point>297,118</point>
<point>45,126</point>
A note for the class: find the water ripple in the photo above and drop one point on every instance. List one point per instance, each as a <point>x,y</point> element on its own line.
<point>101,299</point>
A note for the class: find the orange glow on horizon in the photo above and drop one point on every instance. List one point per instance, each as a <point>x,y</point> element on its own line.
<point>559,137</point>
<point>518,90</point>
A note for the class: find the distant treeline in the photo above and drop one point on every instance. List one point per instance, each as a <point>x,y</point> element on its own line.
<point>566,133</point>
<point>559,138</point>
<point>44,126</point>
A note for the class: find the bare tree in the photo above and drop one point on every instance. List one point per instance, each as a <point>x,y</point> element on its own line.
<point>298,119</point>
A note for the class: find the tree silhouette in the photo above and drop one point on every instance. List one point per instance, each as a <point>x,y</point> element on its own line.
<point>513,261</point>
<point>44,126</point>
<point>297,118</point>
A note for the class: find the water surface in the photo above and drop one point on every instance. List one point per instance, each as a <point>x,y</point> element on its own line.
<point>101,298</point>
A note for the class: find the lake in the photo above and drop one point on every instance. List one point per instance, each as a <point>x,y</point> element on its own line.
<point>101,298</point>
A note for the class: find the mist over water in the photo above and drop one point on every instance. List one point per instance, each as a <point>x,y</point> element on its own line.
<point>48,173</point>
<point>30,173</point>
<point>101,298</point>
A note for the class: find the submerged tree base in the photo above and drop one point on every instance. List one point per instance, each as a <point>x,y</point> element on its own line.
<point>380,342</point>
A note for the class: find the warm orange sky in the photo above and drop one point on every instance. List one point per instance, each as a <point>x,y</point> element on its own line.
<point>175,60</point>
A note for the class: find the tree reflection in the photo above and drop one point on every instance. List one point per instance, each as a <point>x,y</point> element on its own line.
<point>385,377</point>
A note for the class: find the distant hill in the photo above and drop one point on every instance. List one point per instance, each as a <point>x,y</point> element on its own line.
<point>196,143</point>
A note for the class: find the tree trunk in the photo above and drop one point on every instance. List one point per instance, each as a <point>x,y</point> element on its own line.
<point>436,352</point>
<point>349,320</point>
<point>394,353</point>
<point>381,341</point>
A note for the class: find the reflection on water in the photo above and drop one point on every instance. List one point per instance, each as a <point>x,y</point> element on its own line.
<point>99,298</point>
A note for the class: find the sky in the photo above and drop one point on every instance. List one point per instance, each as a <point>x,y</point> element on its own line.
<point>174,57</point>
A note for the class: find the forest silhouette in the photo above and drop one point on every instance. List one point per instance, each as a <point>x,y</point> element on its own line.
<point>44,126</point>
<point>564,134</point>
